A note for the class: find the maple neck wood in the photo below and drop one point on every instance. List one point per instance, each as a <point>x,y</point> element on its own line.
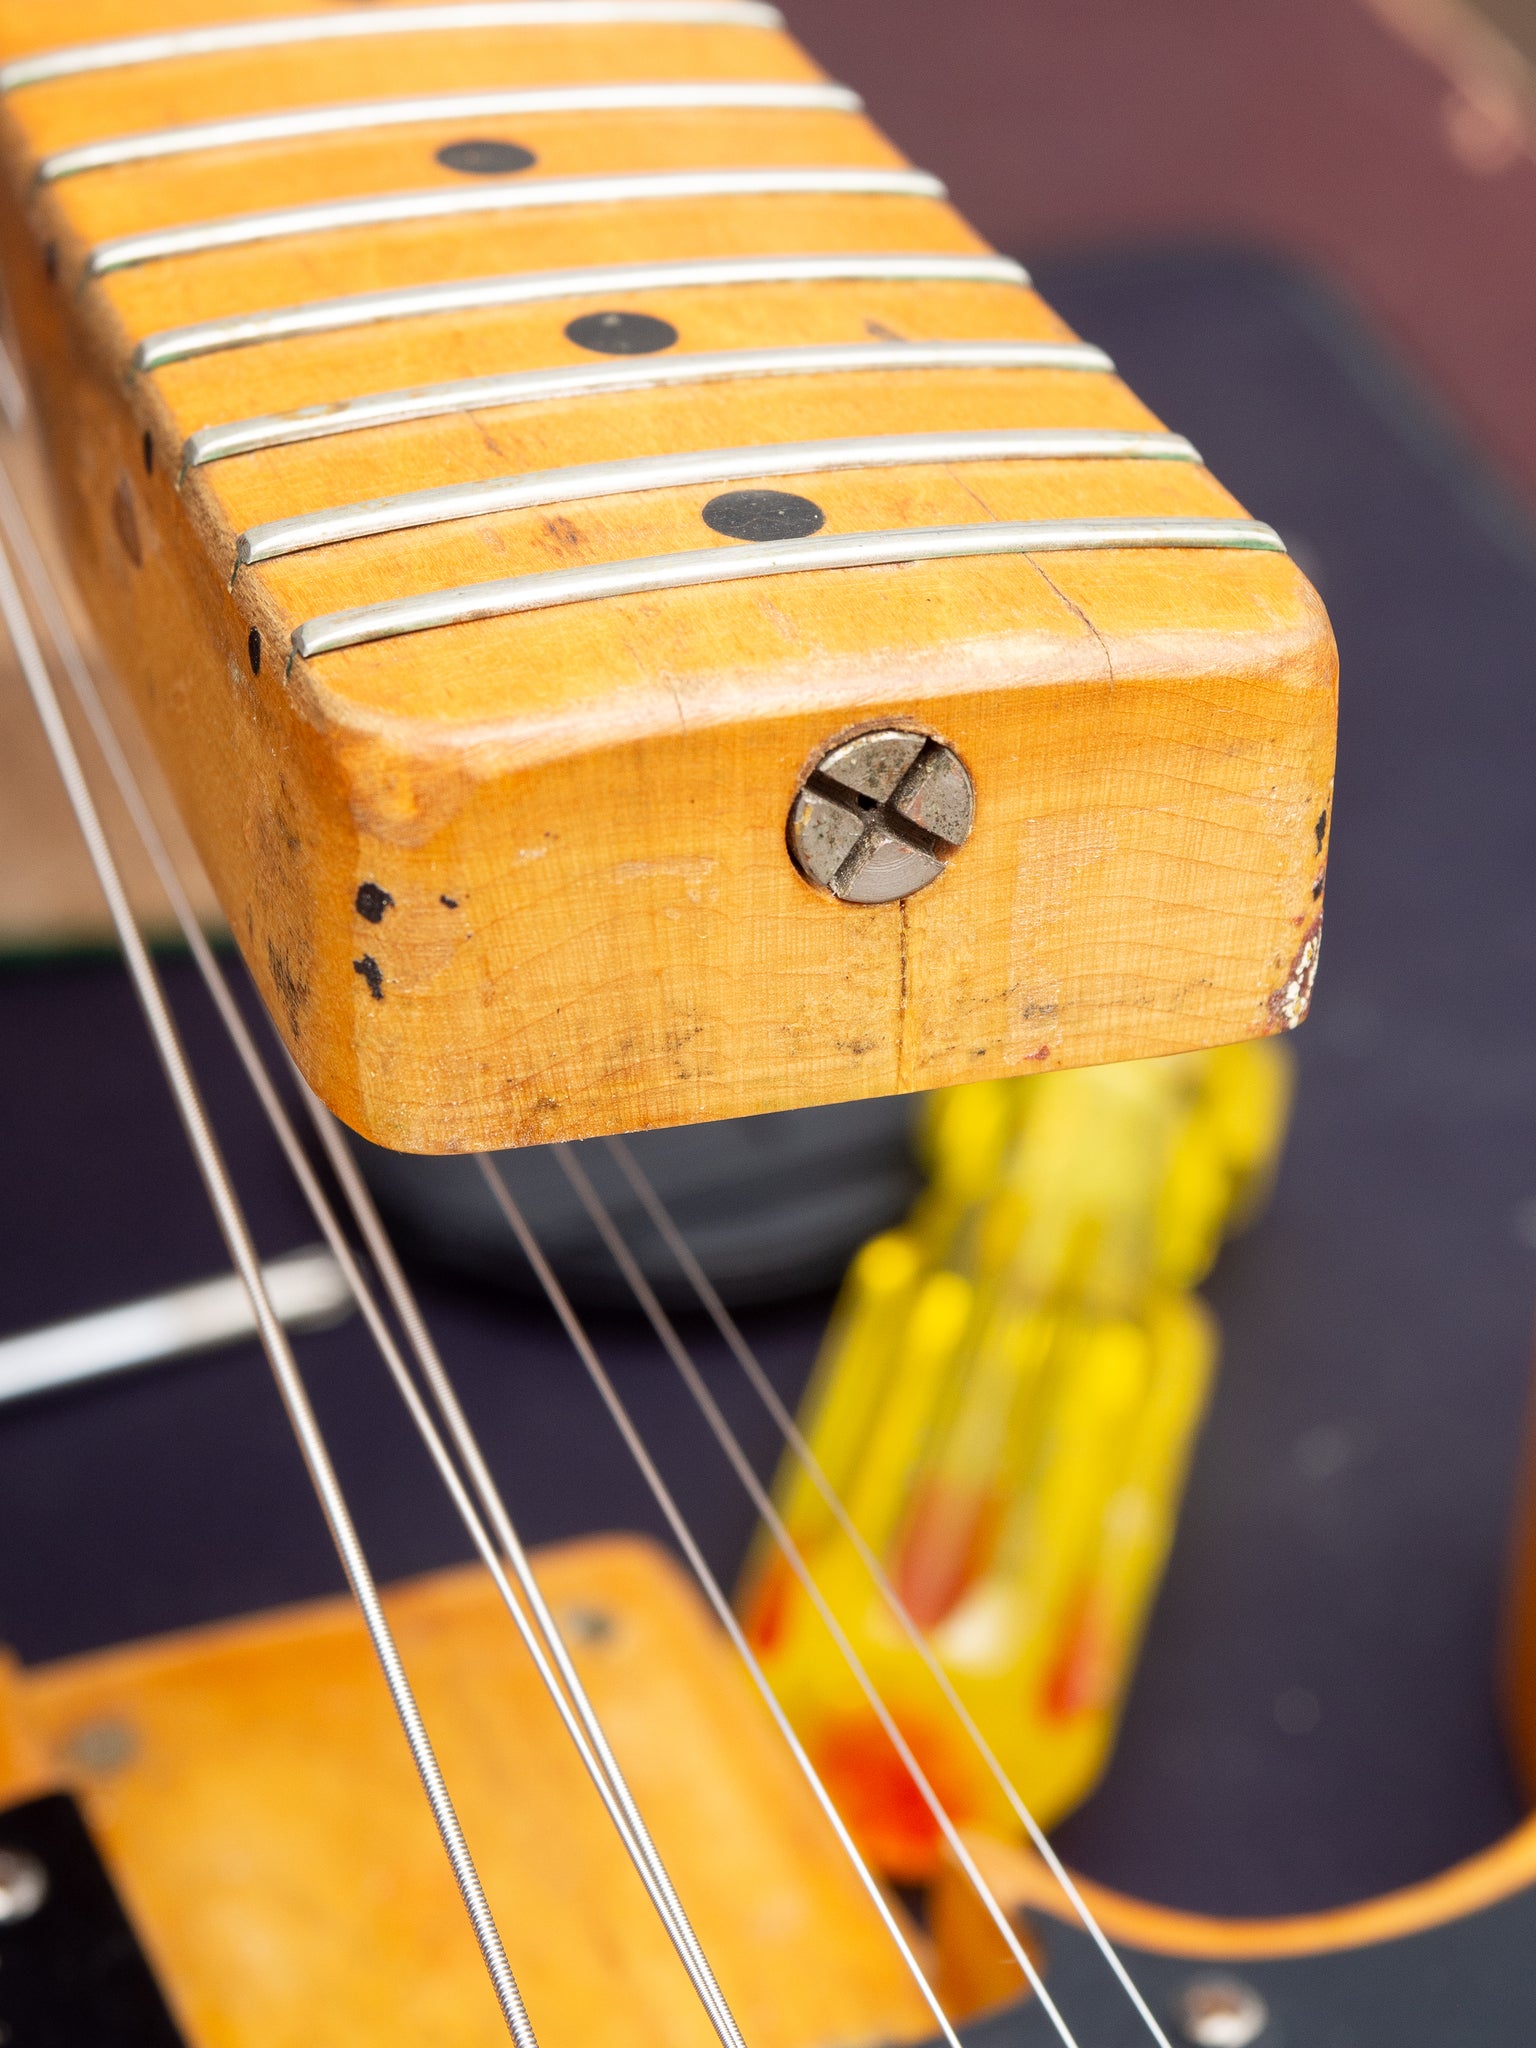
<point>506,447</point>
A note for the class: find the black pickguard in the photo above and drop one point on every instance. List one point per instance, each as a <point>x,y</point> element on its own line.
<point>72,1974</point>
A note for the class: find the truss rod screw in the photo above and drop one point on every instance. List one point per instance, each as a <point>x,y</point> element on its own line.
<point>879,815</point>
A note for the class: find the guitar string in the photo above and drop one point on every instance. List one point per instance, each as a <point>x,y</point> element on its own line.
<point>683,1535</point>
<point>274,1338</point>
<point>403,1302</point>
<point>524,2035</point>
<point>407,1308</point>
<point>405,1305</point>
<point>584,1729</point>
<point>14,518</point>
<point>806,1459</point>
<point>625,1817</point>
<point>667,1334</point>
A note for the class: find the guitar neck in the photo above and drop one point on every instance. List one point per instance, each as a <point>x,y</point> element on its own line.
<point>514,450</point>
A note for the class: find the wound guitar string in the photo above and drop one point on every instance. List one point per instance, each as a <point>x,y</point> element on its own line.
<point>540,1634</point>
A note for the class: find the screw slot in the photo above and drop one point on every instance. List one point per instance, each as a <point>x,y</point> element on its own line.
<point>879,816</point>
<point>1221,2012</point>
<point>23,1886</point>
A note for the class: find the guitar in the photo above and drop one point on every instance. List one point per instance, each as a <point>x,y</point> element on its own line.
<point>941,795</point>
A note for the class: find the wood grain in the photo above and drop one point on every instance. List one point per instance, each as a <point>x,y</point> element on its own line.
<point>579,815</point>
<point>255,1801</point>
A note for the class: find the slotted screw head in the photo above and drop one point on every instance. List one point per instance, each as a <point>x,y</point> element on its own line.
<point>23,1886</point>
<point>1221,2012</point>
<point>879,815</point>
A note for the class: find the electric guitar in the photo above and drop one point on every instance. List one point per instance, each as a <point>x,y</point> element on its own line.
<point>646,620</point>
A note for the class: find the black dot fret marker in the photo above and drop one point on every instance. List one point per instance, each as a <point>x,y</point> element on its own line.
<point>764,515</point>
<point>621,334</point>
<point>485,159</point>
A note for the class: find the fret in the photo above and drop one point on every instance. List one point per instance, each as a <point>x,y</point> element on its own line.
<point>414,509</point>
<point>387,209</point>
<point>229,38</point>
<point>548,589</point>
<point>298,124</point>
<point>526,387</point>
<point>526,288</point>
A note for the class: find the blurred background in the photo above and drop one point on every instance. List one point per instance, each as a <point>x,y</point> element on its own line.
<point>1307,234</point>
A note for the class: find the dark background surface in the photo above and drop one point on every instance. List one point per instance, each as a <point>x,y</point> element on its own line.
<point>1314,1718</point>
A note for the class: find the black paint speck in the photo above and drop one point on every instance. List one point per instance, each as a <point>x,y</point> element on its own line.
<point>621,334</point>
<point>1317,888</point>
<point>1321,829</point>
<point>253,651</point>
<point>149,453</point>
<point>372,902</point>
<point>369,969</point>
<point>485,159</point>
<point>764,515</point>
<point>449,902</point>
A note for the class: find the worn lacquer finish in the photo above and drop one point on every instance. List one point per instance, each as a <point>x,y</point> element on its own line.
<point>249,1788</point>
<point>575,820</point>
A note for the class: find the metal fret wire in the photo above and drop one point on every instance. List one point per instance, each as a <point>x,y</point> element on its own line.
<point>709,1584</point>
<point>413,510</point>
<point>225,38</point>
<point>508,596</point>
<point>789,1550</point>
<point>274,1339</point>
<point>536,287</point>
<point>751,1366</point>
<point>587,380</point>
<point>384,209</point>
<point>599,1760</point>
<point>297,124</point>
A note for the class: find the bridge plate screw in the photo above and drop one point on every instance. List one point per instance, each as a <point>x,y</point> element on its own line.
<point>23,1886</point>
<point>1221,2012</point>
<point>878,816</point>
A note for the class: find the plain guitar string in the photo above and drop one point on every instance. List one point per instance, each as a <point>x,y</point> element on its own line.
<point>318,1461</point>
<point>458,1427</point>
<point>407,1309</point>
<point>682,1358</point>
<point>274,1338</point>
<point>597,1758</point>
<point>472,1453</point>
<point>789,1431</point>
